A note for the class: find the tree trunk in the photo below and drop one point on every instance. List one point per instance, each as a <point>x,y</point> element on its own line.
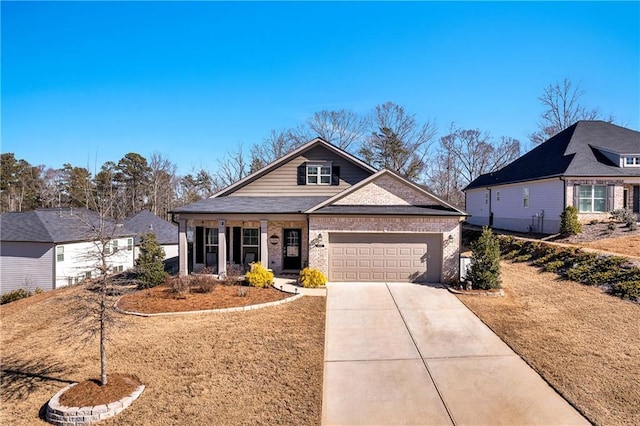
<point>103,352</point>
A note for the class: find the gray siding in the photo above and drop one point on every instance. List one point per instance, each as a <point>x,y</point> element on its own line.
<point>26,265</point>
<point>283,180</point>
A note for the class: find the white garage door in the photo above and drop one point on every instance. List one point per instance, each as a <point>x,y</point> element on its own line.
<point>385,257</point>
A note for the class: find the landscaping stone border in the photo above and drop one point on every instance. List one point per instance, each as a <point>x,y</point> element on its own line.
<point>61,415</point>
<point>499,293</point>
<point>213,311</point>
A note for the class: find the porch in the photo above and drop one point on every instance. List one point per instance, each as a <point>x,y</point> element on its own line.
<point>214,245</point>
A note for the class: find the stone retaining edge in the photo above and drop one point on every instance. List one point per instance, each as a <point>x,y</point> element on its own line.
<point>499,293</point>
<point>61,415</point>
<point>213,311</point>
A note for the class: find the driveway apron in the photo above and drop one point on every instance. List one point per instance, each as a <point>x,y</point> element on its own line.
<point>398,353</point>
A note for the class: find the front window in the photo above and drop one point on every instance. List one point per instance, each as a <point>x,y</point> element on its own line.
<point>60,253</point>
<point>318,174</point>
<point>250,244</point>
<point>592,199</point>
<point>525,198</point>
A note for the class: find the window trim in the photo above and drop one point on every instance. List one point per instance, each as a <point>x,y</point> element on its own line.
<point>319,175</point>
<point>592,199</point>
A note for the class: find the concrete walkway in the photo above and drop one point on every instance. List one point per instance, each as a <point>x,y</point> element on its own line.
<point>291,286</point>
<point>409,354</point>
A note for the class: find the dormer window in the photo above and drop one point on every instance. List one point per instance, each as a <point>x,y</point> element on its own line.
<point>324,173</point>
<point>632,161</point>
<point>318,174</point>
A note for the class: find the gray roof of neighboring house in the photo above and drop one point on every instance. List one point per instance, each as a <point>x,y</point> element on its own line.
<point>247,205</point>
<point>576,151</point>
<point>61,225</point>
<point>144,222</point>
<point>431,210</point>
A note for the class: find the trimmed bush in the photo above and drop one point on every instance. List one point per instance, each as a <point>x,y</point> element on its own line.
<point>569,223</point>
<point>259,276</point>
<point>622,215</point>
<point>629,290</point>
<point>311,277</point>
<point>14,295</point>
<point>150,262</point>
<point>485,261</point>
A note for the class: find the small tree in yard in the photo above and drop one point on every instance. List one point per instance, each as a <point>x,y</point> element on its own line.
<point>569,223</point>
<point>150,262</point>
<point>485,261</point>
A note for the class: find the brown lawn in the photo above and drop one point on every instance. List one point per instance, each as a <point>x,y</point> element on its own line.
<point>255,367</point>
<point>585,343</point>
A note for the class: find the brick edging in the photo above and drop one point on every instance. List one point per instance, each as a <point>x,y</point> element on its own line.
<point>61,415</point>
<point>212,311</point>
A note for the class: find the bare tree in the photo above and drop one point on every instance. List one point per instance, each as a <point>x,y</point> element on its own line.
<point>94,315</point>
<point>232,167</point>
<point>465,154</point>
<point>163,182</point>
<point>274,146</point>
<point>342,128</point>
<point>562,109</point>
<point>399,142</point>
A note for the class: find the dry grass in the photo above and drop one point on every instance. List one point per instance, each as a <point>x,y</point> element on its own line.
<point>628,245</point>
<point>255,367</point>
<point>585,343</point>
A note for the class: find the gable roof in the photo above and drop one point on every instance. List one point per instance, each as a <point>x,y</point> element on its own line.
<point>62,225</point>
<point>145,221</point>
<point>576,151</point>
<point>290,156</point>
<point>438,208</point>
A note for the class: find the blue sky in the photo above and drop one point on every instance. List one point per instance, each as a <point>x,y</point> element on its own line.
<point>88,82</point>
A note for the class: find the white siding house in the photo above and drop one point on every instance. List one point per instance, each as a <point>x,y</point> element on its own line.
<point>52,248</point>
<point>166,232</point>
<point>590,165</point>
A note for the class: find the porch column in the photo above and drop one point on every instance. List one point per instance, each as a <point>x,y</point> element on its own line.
<point>222,248</point>
<point>264,248</point>
<point>183,258</point>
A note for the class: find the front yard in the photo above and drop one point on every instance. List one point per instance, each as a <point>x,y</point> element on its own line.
<point>585,343</point>
<point>256,367</point>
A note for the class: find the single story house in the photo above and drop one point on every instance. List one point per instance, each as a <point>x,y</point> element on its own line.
<point>592,165</point>
<point>320,206</point>
<point>166,232</point>
<point>52,248</point>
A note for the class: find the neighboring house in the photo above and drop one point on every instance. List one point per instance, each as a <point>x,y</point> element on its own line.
<point>321,207</point>
<point>592,165</point>
<point>52,248</point>
<point>166,232</point>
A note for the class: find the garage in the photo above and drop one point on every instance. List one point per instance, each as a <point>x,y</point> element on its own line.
<point>385,257</point>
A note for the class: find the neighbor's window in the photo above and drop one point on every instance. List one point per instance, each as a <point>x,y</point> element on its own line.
<point>60,253</point>
<point>114,245</point>
<point>592,199</point>
<point>632,161</point>
<point>497,195</point>
<point>486,198</point>
<point>129,243</point>
<point>525,198</point>
<point>318,174</point>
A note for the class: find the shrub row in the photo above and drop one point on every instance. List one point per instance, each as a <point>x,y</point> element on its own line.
<point>577,265</point>
<point>21,293</point>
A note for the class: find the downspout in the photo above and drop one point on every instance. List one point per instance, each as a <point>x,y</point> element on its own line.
<point>490,211</point>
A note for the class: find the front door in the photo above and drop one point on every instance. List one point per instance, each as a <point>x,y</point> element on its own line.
<point>292,256</point>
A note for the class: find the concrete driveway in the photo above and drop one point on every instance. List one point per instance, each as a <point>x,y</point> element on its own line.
<point>401,353</point>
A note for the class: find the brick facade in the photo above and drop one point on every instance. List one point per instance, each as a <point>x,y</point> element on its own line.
<point>618,197</point>
<point>386,190</point>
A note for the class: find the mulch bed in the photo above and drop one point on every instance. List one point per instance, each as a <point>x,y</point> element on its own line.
<point>163,299</point>
<point>90,393</point>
